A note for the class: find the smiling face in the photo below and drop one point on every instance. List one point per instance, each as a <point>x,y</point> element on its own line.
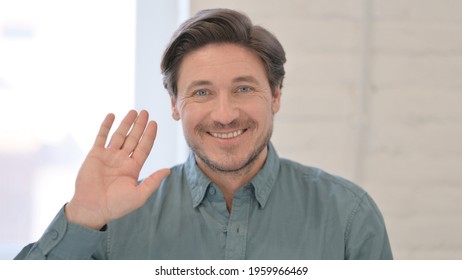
<point>226,106</point>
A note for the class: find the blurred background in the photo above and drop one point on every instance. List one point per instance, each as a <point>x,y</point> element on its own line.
<point>373,93</point>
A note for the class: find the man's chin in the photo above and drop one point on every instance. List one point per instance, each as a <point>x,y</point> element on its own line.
<point>230,161</point>
<point>230,164</point>
<point>226,165</point>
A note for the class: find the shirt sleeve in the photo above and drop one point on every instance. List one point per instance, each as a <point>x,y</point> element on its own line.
<point>63,240</point>
<point>366,235</point>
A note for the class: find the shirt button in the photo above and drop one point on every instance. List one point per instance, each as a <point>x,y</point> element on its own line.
<point>224,229</point>
<point>212,191</point>
<point>54,234</point>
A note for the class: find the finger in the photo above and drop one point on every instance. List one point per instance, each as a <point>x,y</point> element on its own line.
<point>103,132</point>
<point>119,135</point>
<point>137,131</point>
<point>151,184</point>
<point>144,147</point>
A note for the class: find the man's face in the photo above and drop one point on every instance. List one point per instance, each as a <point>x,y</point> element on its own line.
<point>226,106</point>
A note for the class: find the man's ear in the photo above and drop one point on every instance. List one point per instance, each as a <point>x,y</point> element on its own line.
<point>276,100</point>
<point>175,113</point>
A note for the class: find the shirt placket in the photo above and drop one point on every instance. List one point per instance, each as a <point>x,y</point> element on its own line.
<point>236,230</point>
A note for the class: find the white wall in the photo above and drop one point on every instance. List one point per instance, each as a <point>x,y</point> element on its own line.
<point>156,22</point>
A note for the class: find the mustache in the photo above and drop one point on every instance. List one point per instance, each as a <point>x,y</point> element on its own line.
<point>235,124</point>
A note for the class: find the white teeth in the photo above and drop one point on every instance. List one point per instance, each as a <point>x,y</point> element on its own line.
<point>227,135</point>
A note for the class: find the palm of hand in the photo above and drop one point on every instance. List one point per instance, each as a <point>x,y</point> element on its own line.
<point>106,186</point>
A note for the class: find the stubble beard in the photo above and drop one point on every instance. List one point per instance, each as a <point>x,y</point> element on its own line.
<point>224,168</point>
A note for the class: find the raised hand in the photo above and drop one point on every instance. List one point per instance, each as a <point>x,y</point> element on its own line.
<point>106,186</point>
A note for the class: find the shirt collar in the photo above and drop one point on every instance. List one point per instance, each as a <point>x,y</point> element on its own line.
<point>197,180</point>
<point>263,182</point>
<point>265,179</point>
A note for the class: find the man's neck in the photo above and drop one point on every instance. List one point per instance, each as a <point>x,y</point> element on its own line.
<point>230,182</point>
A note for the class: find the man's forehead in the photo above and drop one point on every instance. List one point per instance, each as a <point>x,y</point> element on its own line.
<point>219,54</point>
<point>220,62</point>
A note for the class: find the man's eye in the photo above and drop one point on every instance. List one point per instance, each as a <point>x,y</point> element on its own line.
<point>244,89</point>
<point>201,92</point>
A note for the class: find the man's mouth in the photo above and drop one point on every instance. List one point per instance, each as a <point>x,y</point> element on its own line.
<point>227,135</point>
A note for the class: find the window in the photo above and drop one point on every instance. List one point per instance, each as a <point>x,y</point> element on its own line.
<point>63,66</point>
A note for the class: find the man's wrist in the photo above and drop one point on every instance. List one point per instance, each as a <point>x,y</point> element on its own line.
<point>83,217</point>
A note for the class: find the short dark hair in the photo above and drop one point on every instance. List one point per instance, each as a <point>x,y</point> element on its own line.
<point>222,26</point>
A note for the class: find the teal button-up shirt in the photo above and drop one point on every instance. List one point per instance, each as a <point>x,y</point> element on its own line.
<point>287,211</point>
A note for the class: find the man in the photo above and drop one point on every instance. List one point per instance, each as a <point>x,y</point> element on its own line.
<point>233,198</point>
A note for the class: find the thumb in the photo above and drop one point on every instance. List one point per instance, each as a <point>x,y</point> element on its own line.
<point>152,183</point>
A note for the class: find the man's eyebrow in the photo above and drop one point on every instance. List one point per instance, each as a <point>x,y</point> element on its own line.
<point>198,83</point>
<point>247,79</point>
<point>240,79</point>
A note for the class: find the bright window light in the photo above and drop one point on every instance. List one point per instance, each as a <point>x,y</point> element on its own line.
<point>63,66</point>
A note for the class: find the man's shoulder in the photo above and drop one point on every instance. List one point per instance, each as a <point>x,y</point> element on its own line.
<point>316,178</point>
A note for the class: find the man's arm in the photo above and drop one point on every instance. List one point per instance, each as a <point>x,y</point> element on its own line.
<point>106,189</point>
<point>366,235</point>
<point>63,240</point>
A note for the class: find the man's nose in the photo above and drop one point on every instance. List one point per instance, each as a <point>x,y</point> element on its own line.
<point>225,109</point>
